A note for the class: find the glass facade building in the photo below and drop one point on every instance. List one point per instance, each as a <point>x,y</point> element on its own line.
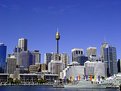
<point>3,49</point>
<point>110,58</point>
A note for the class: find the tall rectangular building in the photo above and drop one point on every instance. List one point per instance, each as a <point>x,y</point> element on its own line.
<point>3,50</point>
<point>110,58</point>
<point>11,64</point>
<point>119,65</point>
<point>103,46</point>
<point>25,59</point>
<point>76,52</point>
<point>47,58</point>
<point>65,59</point>
<point>22,43</point>
<point>36,56</point>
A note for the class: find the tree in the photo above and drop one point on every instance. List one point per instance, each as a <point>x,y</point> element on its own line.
<point>40,81</point>
<point>17,81</point>
<point>10,80</point>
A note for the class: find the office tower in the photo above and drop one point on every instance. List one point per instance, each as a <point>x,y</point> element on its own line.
<point>22,43</point>
<point>3,50</point>
<point>11,64</point>
<point>119,65</point>
<point>36,56</point>
<point>57,39</point>
<point>65,59</point>
<point>17,51</point>
<point>25,60</point>
<point>110,58</point>
<point>76,52</point>
<point>104,44</point>
<point>91,52</point>
<point>47,58</point>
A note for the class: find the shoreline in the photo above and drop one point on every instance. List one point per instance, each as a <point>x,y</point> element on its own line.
<point>49,85</point>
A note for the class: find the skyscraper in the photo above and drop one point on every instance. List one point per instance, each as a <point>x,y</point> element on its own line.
<point>91,52</point>
<point>110,58</point>
<point>65,59</point>
<point>104,44</point>
<point>3,50</point>
<point>76,52</point>
<point>119,65</point>
<point>11,64</point>
<point>47,58</point>
<point>25,59</point>
<point>36,56</point>
<point>22,43</point>
<point>17,51</point>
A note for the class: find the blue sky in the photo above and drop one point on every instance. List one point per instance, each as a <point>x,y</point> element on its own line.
<point>81,23</point>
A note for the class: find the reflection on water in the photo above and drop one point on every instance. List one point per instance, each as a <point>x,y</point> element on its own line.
<point>45,88</point>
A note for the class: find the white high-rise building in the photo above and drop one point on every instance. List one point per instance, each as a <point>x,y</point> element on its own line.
<point>11,64</point>
<point>22,43</point>
<point>76,52</point>
<point>65,59</point>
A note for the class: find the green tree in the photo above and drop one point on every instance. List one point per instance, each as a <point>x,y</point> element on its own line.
<point>40,81</point>
<point>17,81</point>
<point>10,80</point>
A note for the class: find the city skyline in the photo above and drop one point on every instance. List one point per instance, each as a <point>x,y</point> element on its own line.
<point>81,23</point>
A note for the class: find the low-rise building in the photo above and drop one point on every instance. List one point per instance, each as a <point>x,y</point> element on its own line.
<point>74,71</point>
<point>96,68</point>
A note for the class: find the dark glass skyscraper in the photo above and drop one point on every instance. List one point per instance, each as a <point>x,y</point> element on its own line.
<point>119,65</point>
<point>110,58</point>
<point>3,49</point>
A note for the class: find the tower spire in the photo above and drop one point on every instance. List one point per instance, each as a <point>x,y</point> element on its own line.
<point>57,39</point>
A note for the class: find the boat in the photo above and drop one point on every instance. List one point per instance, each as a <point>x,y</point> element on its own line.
<point>84,84</point>
<point>111,82</point>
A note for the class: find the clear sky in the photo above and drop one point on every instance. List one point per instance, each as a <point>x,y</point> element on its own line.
<point>81,23</point>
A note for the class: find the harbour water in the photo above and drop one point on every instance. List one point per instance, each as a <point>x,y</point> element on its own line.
<point>46,88</point>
